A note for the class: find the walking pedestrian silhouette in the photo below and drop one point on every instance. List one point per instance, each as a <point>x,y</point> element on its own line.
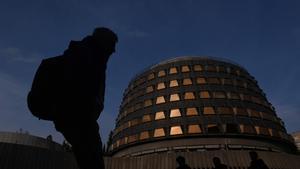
<point>181,162</point>
<point>69,90</point>
<point>256,163</point>
<point>218,164</point>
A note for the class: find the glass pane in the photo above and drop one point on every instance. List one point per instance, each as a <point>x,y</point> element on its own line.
<point>146,118</point>
<point>161,86</point>
<point>173,83</point>
<point>174,97</point>
<point>204,95</point>
<point>173,70</point>
<point>189,95</point>
<point>176,130</point>
<point>187,81</point>
<point>151,76</point>
<point>201,80</point>
<point>144,135</point>
<point>175,113</point>
<point>149,89</point>
<point>226,81</point>
<point>213,128</point>
<point>194,129</point>
<point>219,95</point>
<point>159,115</point>
<point>233,95</point>
<point>161,73</point>
<point>185,69</point>
<point>232,128</point>
<point>147,103</point>
<point>211,68</point>
<point>254,113</point>
<point>132,138</point>
<point>198,68</point>
<point>191,111</point>
<point>208,110</point>
<point>240,111</point>
<point>160,99</point>
<point>247,129</point>
<point>159,132</point>
<point>225,110</point>
<point>212,80</point>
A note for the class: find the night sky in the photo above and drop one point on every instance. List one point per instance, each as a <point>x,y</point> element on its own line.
<point>261,35</point>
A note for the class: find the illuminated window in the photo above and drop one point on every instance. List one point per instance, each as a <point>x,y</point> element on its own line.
<point>144,135</point>
<point>161,86</point>
<point>247,129</point>
<point>130,109</point>
<point>147,103</point>
<point>146,118</point>
<point>225,110</point>
<point>176,130</point>
<point>254,113</point>
<point>213,128</point>
<point>173,70</point>
<point>192,111</point>
<point>204,95</point>
<point>187,81</point>
<point>132,138</point>
<point>123,140</point>
<point>151,76</point>
<point>201,80</point>
<point>175,113</point>
<point>198,68</point>
<point>233,95</point>
<point>227,81</point>
<point>160,115</point>
<point>240,111</point>
<point>189,95</point>
<point>149,89</point>
<point>174,97</point>
<point>161,73</point>
<point>159,132</point>
<point>211,68</point>
<point>160,99</point>
<point>193,129</point>
<point>219,95</point>
<point>185,69</point>
<point>133,122</point>
<point>208,110</point>
<point>213,80</point>
<point>232,128</point>
<point>238,72</point>
<point>173,83</point>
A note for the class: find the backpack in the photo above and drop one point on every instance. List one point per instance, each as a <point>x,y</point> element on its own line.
<point>45,89</point>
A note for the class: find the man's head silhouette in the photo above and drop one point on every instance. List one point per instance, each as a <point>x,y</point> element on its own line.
<point>105,39</point>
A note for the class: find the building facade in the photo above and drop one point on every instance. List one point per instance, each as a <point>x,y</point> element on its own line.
<point>198,105</point>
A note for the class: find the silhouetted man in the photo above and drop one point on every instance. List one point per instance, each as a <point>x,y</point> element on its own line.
<point>80,97</point>
<point>218,164</point>
<point>256,163</point>
<point>181,162</point>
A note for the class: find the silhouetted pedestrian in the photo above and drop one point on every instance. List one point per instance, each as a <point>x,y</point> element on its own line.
<point>181,162</point>
<point>218,164</point>
<point>69,90</point>
<point>256,163</point>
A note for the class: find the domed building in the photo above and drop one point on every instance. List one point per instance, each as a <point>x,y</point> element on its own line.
<point>197,104</point>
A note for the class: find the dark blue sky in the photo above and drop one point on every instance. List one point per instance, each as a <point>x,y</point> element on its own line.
<point>261,35</point>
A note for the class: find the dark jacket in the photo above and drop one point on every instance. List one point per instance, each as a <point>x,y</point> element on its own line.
<point>81,84</point>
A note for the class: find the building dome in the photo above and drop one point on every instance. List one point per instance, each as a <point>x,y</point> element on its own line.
<point>195,104</point>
